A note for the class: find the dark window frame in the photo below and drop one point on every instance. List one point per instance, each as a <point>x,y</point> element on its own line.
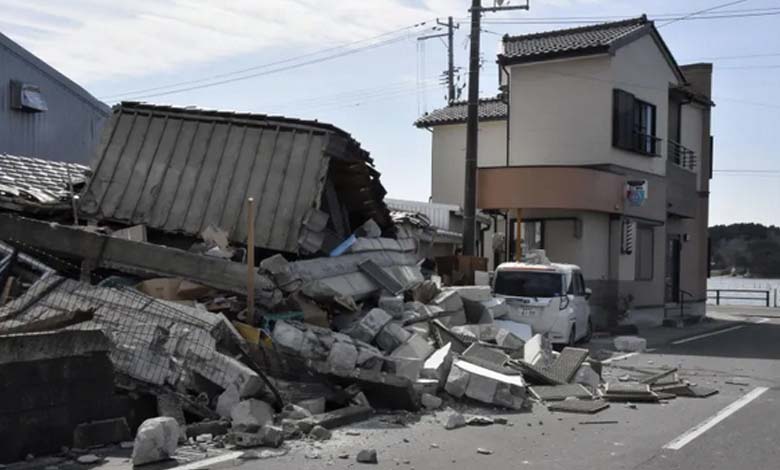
<point>630,131</point>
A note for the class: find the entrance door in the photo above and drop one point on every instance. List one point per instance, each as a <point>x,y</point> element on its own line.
<point>673,247</point>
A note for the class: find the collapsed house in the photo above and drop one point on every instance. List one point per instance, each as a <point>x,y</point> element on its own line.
<point>146,285</point>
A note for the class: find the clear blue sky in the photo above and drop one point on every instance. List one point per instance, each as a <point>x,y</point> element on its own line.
<point>114,48</point>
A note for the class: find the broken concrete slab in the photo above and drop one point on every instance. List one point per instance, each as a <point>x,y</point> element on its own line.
<point>485,356</point>
<point>457,382</point>
<point>226,401</point>
<point>313,405</point>
<point>156,440</point>
<point>342,417</point>
<point>537,351</point>
<point>404,367</point>
<point>472,293</point>
<point>252,412</point>
<point>588,377</point>
<point>490,386</point>
<point>455,421</point>
<point>521,330</point>
<point>560,392</point>
<point>449,301</point>
<point>497,308</point>
<point>579,406</point>
<point>367,456</point>
<point>565,366</point>
<point>630,344</point>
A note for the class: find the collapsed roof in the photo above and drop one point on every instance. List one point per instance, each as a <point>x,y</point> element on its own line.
<point>34,185</point>
<point>179,170</point>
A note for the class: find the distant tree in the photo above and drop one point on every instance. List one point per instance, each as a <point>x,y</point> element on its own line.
<point>754,247</point>
<point>764,258</point>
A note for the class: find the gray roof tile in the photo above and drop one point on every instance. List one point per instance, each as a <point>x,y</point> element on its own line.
<point>34,182</point>
<point>567,42</point>
<point>489,109</point>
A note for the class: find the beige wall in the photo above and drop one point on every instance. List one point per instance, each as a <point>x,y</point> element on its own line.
<point>562,110</point>
<point>449,157</point>
<point>590,252</point>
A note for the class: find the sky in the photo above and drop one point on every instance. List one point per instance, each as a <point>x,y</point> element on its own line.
<point>358,64</point>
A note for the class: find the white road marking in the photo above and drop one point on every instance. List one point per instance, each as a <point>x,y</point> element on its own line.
<point>763,320</point>
<point>619,358</point>
<point>226,460</point>
<point>709,423</point>
<point>707,335</point>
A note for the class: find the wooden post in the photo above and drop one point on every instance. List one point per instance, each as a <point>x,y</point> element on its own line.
<point>6,290</point>
<point>519,235</point>
<point>250,260</point>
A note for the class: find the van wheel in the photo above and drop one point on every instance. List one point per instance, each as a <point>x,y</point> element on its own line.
<point>589,332</point>
<point>573,336</point>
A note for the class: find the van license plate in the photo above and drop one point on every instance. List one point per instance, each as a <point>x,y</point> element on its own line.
<point>528,312</point>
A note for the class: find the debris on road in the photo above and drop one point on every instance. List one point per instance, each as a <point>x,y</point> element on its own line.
<point>367,456</point>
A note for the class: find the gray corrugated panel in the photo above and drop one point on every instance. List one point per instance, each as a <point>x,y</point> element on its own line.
<point>181,170</point>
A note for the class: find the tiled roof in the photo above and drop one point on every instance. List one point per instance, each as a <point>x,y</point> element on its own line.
<point>489,109</point>
<point>35,183</point>
<point>569,42</point>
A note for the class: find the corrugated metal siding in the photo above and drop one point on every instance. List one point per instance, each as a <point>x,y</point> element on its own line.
<point>68,131</point>
<point>181,171</point>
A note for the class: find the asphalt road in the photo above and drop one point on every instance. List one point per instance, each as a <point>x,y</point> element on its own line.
<point>746,434</point>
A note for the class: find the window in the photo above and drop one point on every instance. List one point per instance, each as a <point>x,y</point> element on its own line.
<point>633,124</point>
<point>27,97</point>
<point>577,286</point>
<point>645,253</point>
<point>529,283</point>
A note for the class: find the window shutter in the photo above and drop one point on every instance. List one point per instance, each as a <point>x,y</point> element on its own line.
<point>622,119</point>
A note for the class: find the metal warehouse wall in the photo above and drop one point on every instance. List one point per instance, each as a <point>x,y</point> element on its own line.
<point>69,131</point>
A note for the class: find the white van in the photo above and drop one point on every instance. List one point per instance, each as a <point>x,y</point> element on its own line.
<point>550,297</point>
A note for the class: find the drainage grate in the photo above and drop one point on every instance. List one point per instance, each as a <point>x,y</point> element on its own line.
<point>565,366</point>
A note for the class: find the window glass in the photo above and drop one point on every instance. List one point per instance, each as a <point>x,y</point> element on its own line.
<point>529,283</point>
<point>644,253</point>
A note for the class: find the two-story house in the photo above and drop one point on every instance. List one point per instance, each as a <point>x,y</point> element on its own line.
<point>599,144</point>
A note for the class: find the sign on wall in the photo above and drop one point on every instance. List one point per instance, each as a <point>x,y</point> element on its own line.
<point>636,192</point>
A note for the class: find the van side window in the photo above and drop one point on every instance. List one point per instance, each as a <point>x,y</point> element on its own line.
<point>577,286</point>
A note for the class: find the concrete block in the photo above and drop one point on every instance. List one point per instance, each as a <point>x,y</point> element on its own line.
<point>96,433</point>
<point>473,293</point>
<point>455,421</point>
<point>319,433</point>
<point>511,396</point>
<point>521,330</point>
<point>271,436</point>
<point>288,336</point>
<point>416,347</point>
<point>291,411</point>
<point>252,412</point>
<point>457,382</point>
<point>226,401</point>
<point>156,440</point>
<point>228,372</point>
<point>369,326</point>
<point>393,305</point>
<point>485,356</point>
<point>448,300</point>
<point>482,388</point>
<point>438,364</point>
<point>392,336</point>
<point>430,402</point>
<point>491,387</point>
<point>630,344</point>
<point>343,357</point>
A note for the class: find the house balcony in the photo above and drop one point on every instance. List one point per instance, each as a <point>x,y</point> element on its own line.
<point>681,156</point>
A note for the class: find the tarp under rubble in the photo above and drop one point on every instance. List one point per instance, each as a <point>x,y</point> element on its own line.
<point>180,170</point>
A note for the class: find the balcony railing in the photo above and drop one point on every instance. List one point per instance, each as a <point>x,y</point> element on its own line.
<point>682,156</point>
<point>646,143</point>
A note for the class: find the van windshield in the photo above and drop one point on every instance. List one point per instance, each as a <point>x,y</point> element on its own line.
<point>529,283</point>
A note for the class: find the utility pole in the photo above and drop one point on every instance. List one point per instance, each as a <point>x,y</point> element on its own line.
<point>450,35</point>
<point>472,123</point>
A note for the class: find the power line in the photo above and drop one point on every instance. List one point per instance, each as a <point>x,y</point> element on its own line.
<point>346,46</point>
<point>603,19</point>
<point>706,10</point>
<point>745,56</point>
<point>746,171</point>
<point>614,17</point>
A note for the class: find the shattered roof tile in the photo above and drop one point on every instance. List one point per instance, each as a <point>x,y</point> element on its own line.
<point>489,109</point>
<point>35,182</point>
<point>566,42</point>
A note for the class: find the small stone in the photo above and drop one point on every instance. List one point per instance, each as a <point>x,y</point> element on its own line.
<point>343,456</point>
<point>430,402</point>
<point>319,433</point>
<point>204,438</point>
<point>624,378</point>
<point>434,445</point>
<point>249,455</point>
<point>406,440</point>
<point>541,423</point>
<point>500,421</point>
<point>455,421</point>
<point>352,433</point>
<point>89,459</point>
<point>483,451</point>
<point>367,456</point>
<point>313,454</point>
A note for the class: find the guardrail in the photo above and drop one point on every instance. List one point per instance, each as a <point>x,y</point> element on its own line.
<point>759,295</point>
